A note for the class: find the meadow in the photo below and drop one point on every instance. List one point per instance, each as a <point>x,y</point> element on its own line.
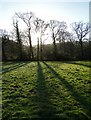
<point>46,90</point>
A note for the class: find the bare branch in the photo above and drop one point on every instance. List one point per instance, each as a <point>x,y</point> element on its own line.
<point>81,29</point>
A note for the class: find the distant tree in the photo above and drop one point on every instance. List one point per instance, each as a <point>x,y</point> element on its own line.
<point>56,27</point>
<point>18,37</point>
<point>5,38</point>
<point>66,40</point>
<point>81,29</point>
<point>65,36</point>
<point>28,20</point>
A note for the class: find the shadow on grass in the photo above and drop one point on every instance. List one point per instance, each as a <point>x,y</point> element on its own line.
<point>14,66</point>
<point>78,97</point>
<point>9,62</point>
<point>82,64</point>
<point>45,109</point>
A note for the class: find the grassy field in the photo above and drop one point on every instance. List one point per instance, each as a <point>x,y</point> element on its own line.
<point>46,90</point>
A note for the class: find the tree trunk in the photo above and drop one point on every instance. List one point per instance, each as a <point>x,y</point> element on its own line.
<point>55,49</point>
<point>31,49</point>
<point>81,44</point>
<point>19,42</point>
<point>38,49</point>
<point>41,50</point>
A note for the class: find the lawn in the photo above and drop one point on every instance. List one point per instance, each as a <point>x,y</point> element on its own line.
<point>46,90</point>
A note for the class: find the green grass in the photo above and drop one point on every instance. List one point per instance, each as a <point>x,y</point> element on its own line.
<point>46,90</point>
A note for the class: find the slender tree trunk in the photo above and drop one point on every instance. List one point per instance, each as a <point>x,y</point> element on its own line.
<point>82,54</point>
<point>41,50</point>
<point>31,49</point>
<point>38,49</point>
<point>19,42</point>
<point>55,49</point>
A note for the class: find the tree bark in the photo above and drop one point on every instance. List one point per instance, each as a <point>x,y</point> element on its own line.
<point>38,49</point>
<point>41,50</point>
<point>31,49</point>
<point>81,44</point>
<point>19,42</point>
<point>55,48</point>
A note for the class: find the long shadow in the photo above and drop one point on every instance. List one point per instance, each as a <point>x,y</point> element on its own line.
<point>10,65</point>
<point>82,64</point>
<point>9,62</point>
<point>15,66</point>
<point>71,89</point>
<point>46,111</point>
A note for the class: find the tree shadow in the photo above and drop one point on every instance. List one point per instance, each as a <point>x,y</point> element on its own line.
<point>78,97</point>
<point>14,66</point>
<point>82,64</point>
<point>9,62</point>
<point>46,111</point>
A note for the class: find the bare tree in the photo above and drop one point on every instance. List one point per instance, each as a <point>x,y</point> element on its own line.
<point>37,28</point>
<point>56,27</point>
<point>40,26</point>
<point>81,29</point>
<point>18,37</point>
<point>28,20</point>
<point>43,27</point>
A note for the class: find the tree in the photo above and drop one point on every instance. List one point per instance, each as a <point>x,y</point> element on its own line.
<point>65,36</point>
<point>28,20</point>
<point>43,27</point>
<point>66,45</point>
<point>5,38</point>
<point>37,28</point>
<point>18,37</point>
<point>81,29</point>
<point>38,49</point>
<point>40,27</point>
<point>56,27</point>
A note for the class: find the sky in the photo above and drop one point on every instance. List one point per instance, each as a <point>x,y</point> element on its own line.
<point>68,11</point>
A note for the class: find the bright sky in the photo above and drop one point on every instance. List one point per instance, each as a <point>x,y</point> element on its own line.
<point>63,11</point>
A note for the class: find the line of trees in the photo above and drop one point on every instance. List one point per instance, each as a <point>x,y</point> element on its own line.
<point>64,46</point>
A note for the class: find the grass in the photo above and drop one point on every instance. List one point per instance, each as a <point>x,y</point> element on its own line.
<point>46,90</point>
